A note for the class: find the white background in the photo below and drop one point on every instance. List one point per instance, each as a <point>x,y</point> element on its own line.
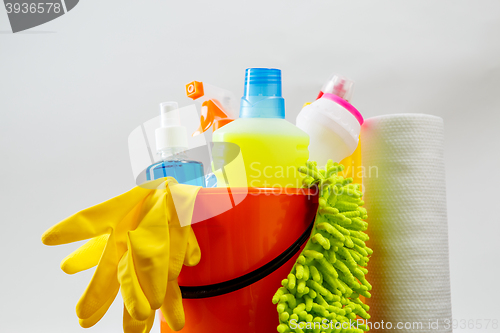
<point>72,90</point>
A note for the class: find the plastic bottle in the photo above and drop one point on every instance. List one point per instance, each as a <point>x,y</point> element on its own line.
<point>272,148</point>
<point>171,144</point>
<point>332,123</point>
<point>218,108</point>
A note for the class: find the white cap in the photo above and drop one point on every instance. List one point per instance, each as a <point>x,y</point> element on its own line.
<point>171,134</point>
<point>339,85</point>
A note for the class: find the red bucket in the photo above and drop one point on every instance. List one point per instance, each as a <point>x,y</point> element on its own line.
<point>245,253</point>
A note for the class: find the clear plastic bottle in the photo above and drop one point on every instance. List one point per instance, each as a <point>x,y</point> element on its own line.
<point>171,144</point>
<point>271,147</point>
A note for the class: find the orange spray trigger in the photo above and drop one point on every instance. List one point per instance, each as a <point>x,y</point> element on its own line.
<point>194,90</point>
<point>218,106</point>
<point>206,119</point>
<point>211,111</point>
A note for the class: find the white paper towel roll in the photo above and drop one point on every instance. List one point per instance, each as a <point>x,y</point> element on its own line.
<point>405,195</point>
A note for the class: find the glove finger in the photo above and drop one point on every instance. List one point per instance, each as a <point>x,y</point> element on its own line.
<point>133,297</point>
<point>86,256</point>
<point>178,244</point>
<point>94,221</point>
<point>180,206</point>
<point>193,252</point>
<point>92,320</point>
<point>149,245</point>
<point>183,198</point>
<point>131,325</point>
<point>172,308</point>
<point>103,284</point>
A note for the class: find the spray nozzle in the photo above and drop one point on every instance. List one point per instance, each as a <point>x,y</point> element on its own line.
<point>171,134</point>
<point>169,113</point>
<point>338,85</point>
<point>218,106</point>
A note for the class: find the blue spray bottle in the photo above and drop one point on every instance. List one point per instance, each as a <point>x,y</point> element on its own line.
<point>171,144</point>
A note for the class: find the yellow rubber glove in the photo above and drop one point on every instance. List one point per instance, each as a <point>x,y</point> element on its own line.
<point>137,235</point>
<point>172,308</point>
<point>131,325</point>
<point>184,250</point>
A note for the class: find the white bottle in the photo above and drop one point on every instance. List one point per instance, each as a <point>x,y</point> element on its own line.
<point>332,123</point>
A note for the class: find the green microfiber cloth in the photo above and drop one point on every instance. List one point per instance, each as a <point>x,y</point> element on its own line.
<point>329,275</point>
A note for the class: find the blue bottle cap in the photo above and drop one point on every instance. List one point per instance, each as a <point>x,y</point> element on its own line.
<point>262,96</point>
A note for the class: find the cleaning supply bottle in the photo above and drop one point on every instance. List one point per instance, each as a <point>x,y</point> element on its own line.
<point>218,108</point>
<point>271,147</point>
<point>171,144</point>
<point>332,123</point>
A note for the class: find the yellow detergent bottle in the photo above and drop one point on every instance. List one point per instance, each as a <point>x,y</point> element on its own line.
<point>270,148</point>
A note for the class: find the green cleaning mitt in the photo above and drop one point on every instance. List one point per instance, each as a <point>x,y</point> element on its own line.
<point>321,293</point>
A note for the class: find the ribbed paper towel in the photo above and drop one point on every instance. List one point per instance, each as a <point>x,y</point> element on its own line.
<point>405,194</point>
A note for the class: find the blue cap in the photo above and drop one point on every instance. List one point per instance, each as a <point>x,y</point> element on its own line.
<point>262,96</point>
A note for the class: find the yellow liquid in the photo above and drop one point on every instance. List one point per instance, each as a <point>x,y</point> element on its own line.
<point>352,166</point>
<point>271,151</point>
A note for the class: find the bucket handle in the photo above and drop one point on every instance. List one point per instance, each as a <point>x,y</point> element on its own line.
<point>222,288</point>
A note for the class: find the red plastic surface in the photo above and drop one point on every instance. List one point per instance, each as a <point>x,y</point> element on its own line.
<point>263,225</point>
<point>258,229</point>
<point>248,310</point>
